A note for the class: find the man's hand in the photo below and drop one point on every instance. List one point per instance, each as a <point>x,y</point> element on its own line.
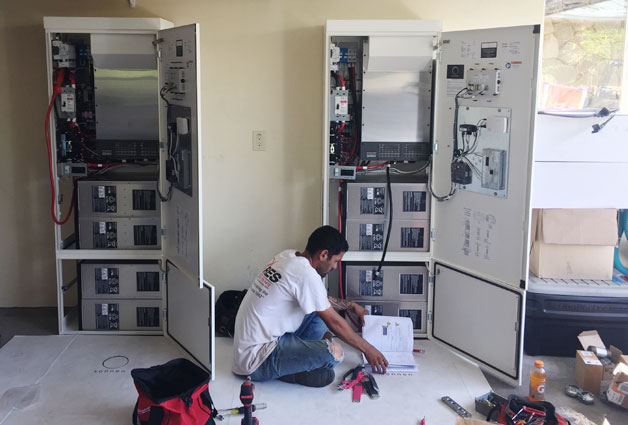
<point>341,328</point>
<point>360,312</point>
<point>342,304</point>
<point>376,359</point>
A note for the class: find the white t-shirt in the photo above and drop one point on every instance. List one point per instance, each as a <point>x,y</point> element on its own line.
<point>282,294</point>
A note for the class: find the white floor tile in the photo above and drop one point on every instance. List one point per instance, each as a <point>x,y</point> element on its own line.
<point>74,388</point>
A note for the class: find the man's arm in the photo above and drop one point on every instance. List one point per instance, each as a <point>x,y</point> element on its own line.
<point>342,305</point>
<point>339,327</point>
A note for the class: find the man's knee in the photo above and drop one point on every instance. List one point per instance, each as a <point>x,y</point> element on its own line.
<point>336,350</point>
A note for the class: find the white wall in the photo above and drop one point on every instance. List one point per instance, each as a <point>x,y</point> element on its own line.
<point>262,66</point>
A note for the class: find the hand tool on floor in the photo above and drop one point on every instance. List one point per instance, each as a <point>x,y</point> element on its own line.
<point>240,410</point>
<point>359,380</point>
<point>370,386</point>
<point>357,393</point>
<point>574,391</point>
<point>247,389</point>
<point>461,411</point>
<point>355,375</point>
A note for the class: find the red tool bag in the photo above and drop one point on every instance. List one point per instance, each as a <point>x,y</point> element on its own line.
<point>175,393</point>
<point>521,410</point>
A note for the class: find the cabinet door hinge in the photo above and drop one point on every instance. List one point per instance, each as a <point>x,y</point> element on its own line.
<point>164,314</point>
<point>430,279</point>
<point>429,316</point>
<point>163,231</point>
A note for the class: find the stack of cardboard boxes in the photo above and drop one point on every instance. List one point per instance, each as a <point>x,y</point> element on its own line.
<point>573,243</point>
<point>607,375</point>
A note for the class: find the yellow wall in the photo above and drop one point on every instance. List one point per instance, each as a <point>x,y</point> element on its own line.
<point>262,70</point>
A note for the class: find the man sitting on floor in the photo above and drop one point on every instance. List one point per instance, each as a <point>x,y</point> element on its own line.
<point>283,318</point>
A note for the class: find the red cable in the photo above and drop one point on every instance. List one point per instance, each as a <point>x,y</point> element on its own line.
<point>372,167</point>
<point>342,81</point>
<point>55,92</point>
<point>342,126</point>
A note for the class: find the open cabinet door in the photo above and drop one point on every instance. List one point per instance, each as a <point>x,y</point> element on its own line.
<point>189,300</point>
<point>485,89</point>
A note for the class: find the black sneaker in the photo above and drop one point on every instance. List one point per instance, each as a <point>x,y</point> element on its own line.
<point>314,378</point>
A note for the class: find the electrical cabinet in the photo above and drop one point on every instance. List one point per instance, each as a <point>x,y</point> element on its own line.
<point>123,136</point>
<point>427,144</point>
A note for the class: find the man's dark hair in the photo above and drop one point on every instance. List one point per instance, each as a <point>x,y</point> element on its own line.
<point>326,237</point>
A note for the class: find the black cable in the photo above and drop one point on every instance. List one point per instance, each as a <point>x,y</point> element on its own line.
<point>162,93</point>
<point>579,113</point>
<point>439,198</point>
<point>455,154</point>
<point>456,120</point>
<point>169,194</point>
<point>390,219</point>
<point>598,127</point>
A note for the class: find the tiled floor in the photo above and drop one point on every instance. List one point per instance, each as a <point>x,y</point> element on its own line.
<point>25,361</point>
<point>62,379</point>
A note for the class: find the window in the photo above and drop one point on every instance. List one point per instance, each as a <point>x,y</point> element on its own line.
<point>583,54</point>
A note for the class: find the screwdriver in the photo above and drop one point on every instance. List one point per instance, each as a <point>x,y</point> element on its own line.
<point>240,410</point>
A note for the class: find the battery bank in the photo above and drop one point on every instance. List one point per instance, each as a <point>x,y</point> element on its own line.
<point>394,282</point>
<point>370,235</point>
<point>120,280</point>
<point>409,235</point>
<point>365,234</point>
<point>120,232</point>
<point>416,311</point>
<point>106,314</point>
<point>369,200</point>
<point>118,198</point>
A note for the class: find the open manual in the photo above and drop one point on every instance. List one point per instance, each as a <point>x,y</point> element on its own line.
<point>394,337</point>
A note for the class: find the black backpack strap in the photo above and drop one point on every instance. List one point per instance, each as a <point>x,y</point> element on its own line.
<point>135,419</point>
<point>206,398</point>
<point>157,415</point>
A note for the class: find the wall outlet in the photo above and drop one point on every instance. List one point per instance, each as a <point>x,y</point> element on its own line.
<point>259,141</point>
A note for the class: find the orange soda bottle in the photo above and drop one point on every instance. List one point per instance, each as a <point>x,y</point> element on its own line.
<point>537,382</point>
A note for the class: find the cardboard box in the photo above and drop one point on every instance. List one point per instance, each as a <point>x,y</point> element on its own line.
<point>573,243</point>
<point>589,371</point>
<point>553,261</point>
<point>617,356</point>
<point>618,391</point>
<point>592,338</point>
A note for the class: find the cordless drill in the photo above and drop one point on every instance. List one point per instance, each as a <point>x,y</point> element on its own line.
<point>246,397</point>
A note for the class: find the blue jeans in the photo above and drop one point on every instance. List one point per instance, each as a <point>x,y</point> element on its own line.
<point>300,351</point>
